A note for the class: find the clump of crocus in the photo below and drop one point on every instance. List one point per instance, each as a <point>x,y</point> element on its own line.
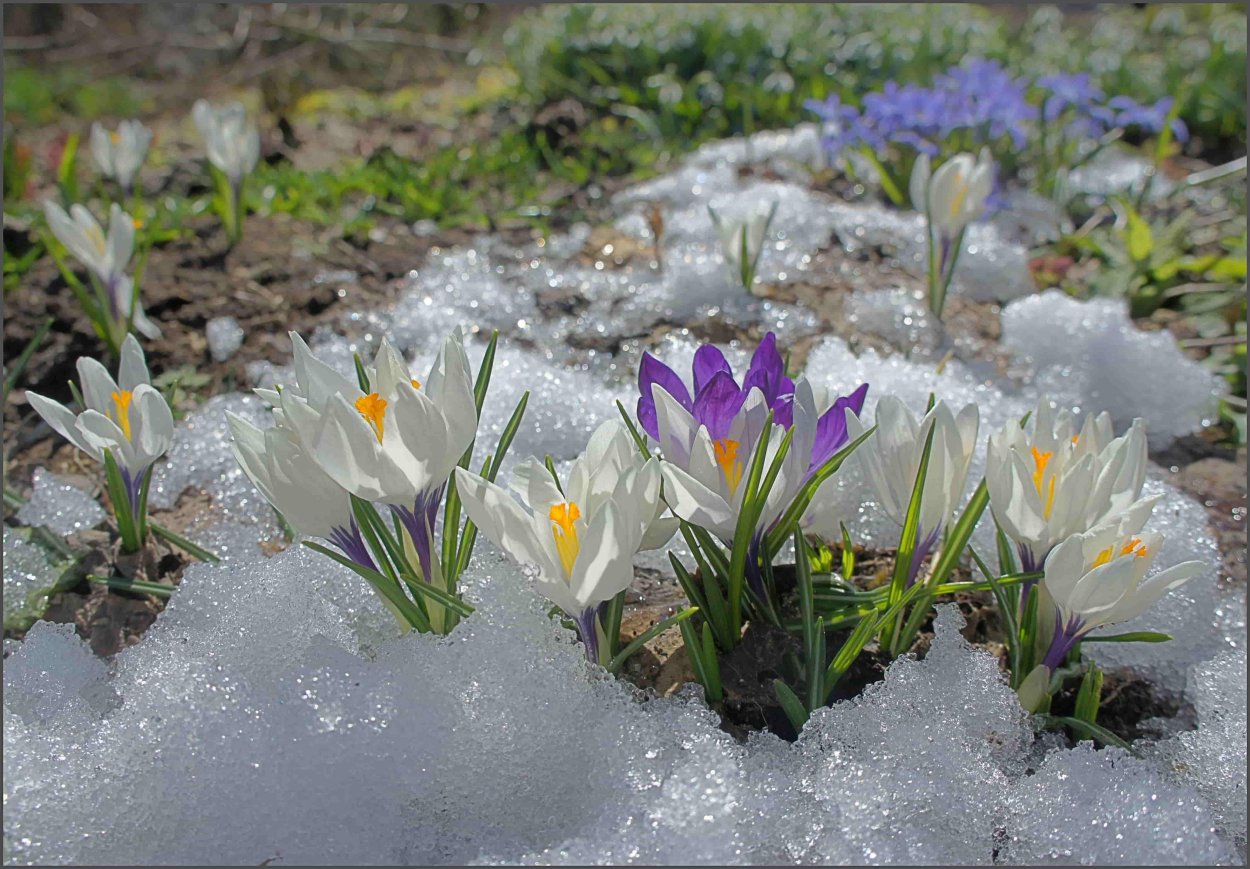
<point>125,424</point>
<point>232,146</point>
<point>741,462</point>
<point>113,304</point>
<point>580,533</point>
<point>1050,480</point>
<point>742,240</point>
<point>120,153</point>
<point>340,444</point>
<point>950,198</point>
<point>1099,578</point>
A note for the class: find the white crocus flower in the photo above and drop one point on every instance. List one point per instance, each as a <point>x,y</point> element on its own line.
<point>105,257</point>
<point>704,471</point>
<point>120,153</point>
<point>742,240</point>
<point>396,444</point>
<point>581,537</point>
<point>310,501</point>
<point>955,194</point>
<point>891,457</point>
<point>127,417</point>
<point>1054,482</point>
<point>1099,577</point>
<point>231,143</point>
<point>610,455</point>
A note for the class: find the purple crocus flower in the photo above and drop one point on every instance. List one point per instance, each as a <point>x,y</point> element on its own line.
<point>718,397</point>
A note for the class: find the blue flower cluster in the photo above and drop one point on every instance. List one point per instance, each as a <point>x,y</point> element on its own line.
<point>984,103</point>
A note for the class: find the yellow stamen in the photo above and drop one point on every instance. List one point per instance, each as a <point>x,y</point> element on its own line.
<point>1134,547</point>
<point>727,457</point>
<point>563,516</point>
<point>373,408</point>
<point>1041,460</point>
<point>96,237</point>
<point>137,223</point>
<point>121,404</point>
<point>416,384</point>
<point>957,201</point>
<point>115,137</point>
<point>1104,557</point>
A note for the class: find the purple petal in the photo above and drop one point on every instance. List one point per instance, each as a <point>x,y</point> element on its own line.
<point>767,371</point>
<point>831,428</point>
<point>708,360</point>
<point>651,371</point>
<point>718,403</point>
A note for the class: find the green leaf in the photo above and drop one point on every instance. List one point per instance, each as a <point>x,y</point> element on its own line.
<point>851,649</point>
<point>66,171</point>
<point>469,536</point>
<point>485,370</point>
<point>1089,695</point>
<point>1090,731</point>
<point>959,535</point>
<point>746,524</point>
<point>711,665</point>
<point>848,553</point>
<point>134,586</point>
<point>436,594</point>
<point>911,522</point>
<point>1137,236</point>
<point>399,603</point>
<point>14,370</point>
<point>1130,637</point>
<point>888,184</point>
<point>633,431</point>
<point>362,376</point>
<point>646,636</point>
<point>791,705</point>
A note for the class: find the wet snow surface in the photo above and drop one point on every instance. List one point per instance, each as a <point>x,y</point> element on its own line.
<point>273,712</point>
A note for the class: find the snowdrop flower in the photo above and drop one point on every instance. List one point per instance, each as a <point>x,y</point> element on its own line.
<point>1056,481</point>
<point>891,459</point>
<point>396,444</point>
<point>582,537</point>
<point>126,417</point>
<point>120,153</point>
<point>105,257</point>
<point>232,145</point>
<point>310,501</point>
<point>955,194</point>
<point>1098,578</point>
<point>745,235</point>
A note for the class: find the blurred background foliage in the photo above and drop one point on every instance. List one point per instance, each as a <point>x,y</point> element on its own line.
<point>484,117</point>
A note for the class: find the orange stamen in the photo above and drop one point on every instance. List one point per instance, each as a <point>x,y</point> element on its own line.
<point>373,408</point>
<point>121,402</point>
<point>563,516</point>
<point>726,451</point>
